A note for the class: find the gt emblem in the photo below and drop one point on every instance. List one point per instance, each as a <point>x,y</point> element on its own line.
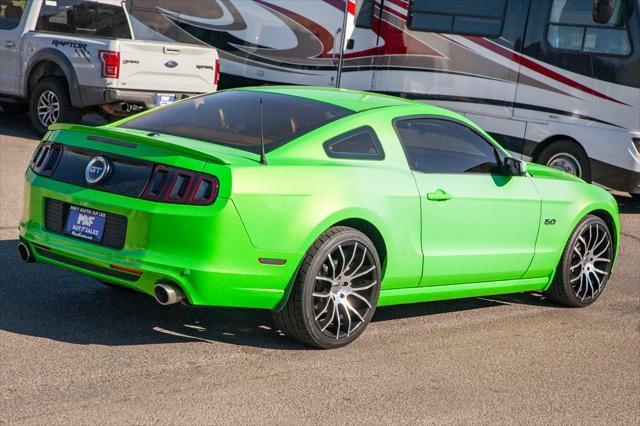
<point>97,170</point>
<point>549,221</point>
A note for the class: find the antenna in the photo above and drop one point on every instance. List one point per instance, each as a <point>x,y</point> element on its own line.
<point>263,157</point>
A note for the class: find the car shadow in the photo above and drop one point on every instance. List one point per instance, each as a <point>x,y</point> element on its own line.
<point>17,125</point>
<point>628,204</point>
<point>50,302</point>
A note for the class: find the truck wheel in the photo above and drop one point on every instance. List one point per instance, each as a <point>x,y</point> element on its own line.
<point>567,156</point>
<point>585,266</point>
<point>50,103</point>
<point>336,291</point>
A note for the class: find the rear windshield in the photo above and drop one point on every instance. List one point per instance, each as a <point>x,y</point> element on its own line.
<point>85,18</point>
<point>232,118</point>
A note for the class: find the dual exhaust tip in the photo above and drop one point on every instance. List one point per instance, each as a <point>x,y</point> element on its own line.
<point>165,293</point>
<point>25,253</point>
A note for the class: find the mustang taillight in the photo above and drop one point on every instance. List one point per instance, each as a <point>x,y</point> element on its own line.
<point>173,185</point>
<point>46,158</point>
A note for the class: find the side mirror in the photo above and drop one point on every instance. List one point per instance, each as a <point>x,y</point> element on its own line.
<point>365,10</point>
<point>603,10</point>
<point>514,167</point>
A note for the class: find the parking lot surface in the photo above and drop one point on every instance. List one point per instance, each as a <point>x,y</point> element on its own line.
<point>75,351</point>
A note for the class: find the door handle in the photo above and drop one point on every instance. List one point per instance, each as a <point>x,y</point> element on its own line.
<point>9,44</point>
<point>438,195</point>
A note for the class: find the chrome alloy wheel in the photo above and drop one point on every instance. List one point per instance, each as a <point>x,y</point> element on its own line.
<point>590,262</point>
<point>344,289</point>
<point>566,162</point>
<point>48,108</point>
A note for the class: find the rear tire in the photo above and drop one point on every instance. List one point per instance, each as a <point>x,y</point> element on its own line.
<point>585,265</point>
<point>568,156</point>
<point>336,290</point>
<point>50,103</point>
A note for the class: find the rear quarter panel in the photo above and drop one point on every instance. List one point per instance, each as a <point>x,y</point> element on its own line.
<point>289,203</point>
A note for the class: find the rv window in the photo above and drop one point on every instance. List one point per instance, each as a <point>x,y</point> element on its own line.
<point>86,18</point>
<point>10,14</point>
<point>361,143</point>
<point>443,146</point>
<point>571,27</point>
<point>481,17</point>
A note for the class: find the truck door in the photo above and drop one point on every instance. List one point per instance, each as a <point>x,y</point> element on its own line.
<point>575,68</point>
<point>459,54</point>
<point>11,14</point>
<point>361,47</point>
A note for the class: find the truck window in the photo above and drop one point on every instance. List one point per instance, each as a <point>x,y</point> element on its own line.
<point>571,27</point>
<point>478,17</point>
<point>10,14</point>
<point>86,18</point>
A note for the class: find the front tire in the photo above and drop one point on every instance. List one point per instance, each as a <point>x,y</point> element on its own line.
<point>336,291</point>
<point>567,156</point>
<point>585,266</point>
<point>50,103</point>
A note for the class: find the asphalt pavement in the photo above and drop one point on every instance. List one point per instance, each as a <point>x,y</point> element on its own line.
<point>73,351</point>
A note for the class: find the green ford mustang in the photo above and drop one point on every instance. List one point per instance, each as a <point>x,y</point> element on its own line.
<point>318,204</point>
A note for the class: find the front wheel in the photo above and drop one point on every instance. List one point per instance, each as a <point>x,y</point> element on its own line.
<point>585,266</point>
<point>567,156</point>
<point>336,291</point>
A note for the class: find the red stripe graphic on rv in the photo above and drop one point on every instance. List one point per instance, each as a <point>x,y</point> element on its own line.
<point>524,61</point>
<point>325,37</point>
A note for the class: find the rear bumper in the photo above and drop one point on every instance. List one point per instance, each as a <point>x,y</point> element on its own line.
<point>93,96</point>
<point>205,250</point>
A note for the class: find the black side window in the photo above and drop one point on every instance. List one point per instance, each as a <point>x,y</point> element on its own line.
<point>361,143</point>
<point>477,17</point>
<point>443,146</point>
<point>571,27</point>
<point>11,14</point>
<point>86,18</point>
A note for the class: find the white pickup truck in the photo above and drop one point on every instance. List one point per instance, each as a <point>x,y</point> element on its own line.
<point>64,56</point>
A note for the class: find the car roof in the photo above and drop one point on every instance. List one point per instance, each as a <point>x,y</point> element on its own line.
<point>353,100</point>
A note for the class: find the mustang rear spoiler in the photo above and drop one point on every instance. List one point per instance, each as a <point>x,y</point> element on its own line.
<point>116,137</point>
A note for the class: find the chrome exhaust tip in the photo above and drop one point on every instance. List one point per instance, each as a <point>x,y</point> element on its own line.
<point>167,293</point>
<point>25,253</point>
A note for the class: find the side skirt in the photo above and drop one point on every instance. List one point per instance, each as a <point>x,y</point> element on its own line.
<point>460,291</point>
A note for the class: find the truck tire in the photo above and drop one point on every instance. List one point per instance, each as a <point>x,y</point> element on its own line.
<point>50,103</point>
<point>566,155</point>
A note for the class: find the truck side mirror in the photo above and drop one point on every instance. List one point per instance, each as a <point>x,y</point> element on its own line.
<point>365,11</point>
<point>603,10</point>
<point>514,167</point>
